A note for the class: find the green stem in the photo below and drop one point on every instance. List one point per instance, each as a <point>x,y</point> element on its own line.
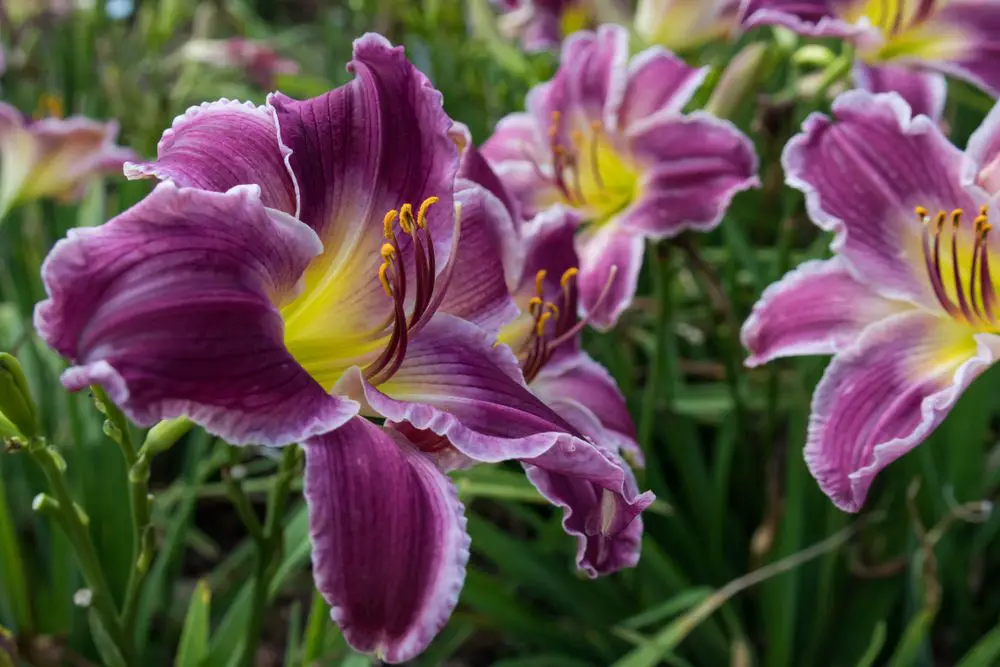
<point>267,549</point>
<point>75,522</point>
<point>659,266</point>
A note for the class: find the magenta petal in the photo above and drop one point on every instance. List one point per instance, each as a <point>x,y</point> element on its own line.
<point>610,259</point>
<point>925,92</point>
<point>171,307</point>
<point>817,308</point>
<point>981,165</point>
<point>693,167</point>
<point>583,393</point>
<point>884,396</point>
<point>591,76</point>
<point>219,145</point>
<point>813,18</point>
<point>971,30</point>
<point>368,147</point>
<point>474,167</point>
<point>600,501</point>
<point>389,541</point>
<point>488,257</point>
<point>863,173</point>
<point>658,82</point>
<point>458,384</point>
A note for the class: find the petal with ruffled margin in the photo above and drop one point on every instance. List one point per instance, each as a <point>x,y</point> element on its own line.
<point>658,82</point>
<point>816,308</point>
<point>488,258</point>
<point>610,260</point>
<point>600,502</point>
<point>456,383</point>
<point>358,152</point>
<point>692,168</point>
<point>981,165</point>
<point>53,157</point>
<point>474,167</point>
<point>882,397</point>
<point>583,393</point>
<point>925,92</point>
<point>219,145</point>
<point>863,173</point>
<point>171,307</point>
<point>389,540</point>
<point>591,78</point>
<point>813,18</point>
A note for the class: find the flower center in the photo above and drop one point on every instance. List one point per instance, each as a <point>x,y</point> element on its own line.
<point>892,17</point>
<point>967,295</point>
<point>392,275</point>
<point>587,171</point>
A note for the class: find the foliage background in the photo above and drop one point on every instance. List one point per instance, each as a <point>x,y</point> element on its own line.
<point>910,582</point>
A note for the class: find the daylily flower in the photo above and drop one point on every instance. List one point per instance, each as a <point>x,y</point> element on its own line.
<point>294,269</point>
<point>685,24</point>
<point>958,37</point>
<point>908,304</point>
<point>53,157</point>
<point>257,60</point>
<point>925,92</point>
<point>542,24</point>
<point>606,138</point>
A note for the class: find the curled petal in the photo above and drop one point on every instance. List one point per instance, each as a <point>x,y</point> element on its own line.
<point>583,393</point>
<point>610,259</point>
<point>219,145</point>
<point>53,157</point>
<point>963,37</point>
<point>925,92</point>
<point>457,384</point>
<point>488,258</point>
<point>813,18</point>
<point>818,308</point>
<point>882,397</point>
<point>592,74</point>
<point>600,502</point>
<point>389,540</point>
<point>658,83</point>
<point>981,165</point>
<point>474,167</point>
<point>358,152</point>
<point>694,166</point>
<point>171,307</point>
<point>863,173</point>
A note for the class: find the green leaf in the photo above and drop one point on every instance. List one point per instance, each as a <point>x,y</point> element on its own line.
<point>193,646</point>
<point>110,654</point>
<point>874,647</point>
<point>675,605</point>
<point>986,652</point>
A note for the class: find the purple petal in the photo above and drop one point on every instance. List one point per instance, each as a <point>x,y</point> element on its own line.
<point>458,384</point>
<point>969,30</point>
<point>474,167</point>
<point>389,541</point>
<point>693,167</point>
<point>610,259</point>
<point>981,165</point>
<point>884,396</point>
<point>488,258</point>
<point>173,308</point>
<point>925,92</point>
<point>600,501</point>
<point>813,18</point>
<point>520,156</point>
<point>219,145</point>
<point>658,82</point>
<point>863,173</point>
<point>54,157</point>
<point>817,308</point>
<point>592,71</point>
<point>583,393</point>
<point>358,152</point>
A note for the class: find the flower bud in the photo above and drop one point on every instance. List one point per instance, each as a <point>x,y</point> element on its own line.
<point>16,403</point>
<point>738,81</point>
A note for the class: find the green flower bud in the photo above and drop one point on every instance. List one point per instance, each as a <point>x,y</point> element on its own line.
<point>16,403</point>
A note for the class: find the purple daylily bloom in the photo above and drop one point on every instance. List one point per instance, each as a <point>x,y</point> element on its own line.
<point>542,24</point>
<point>299,264</point>
<point>606,138</point>
<point>925,92</point>
<point>53,157</point>
<point>684,24</point>
<point>958,38</point>
<point>908,304</point>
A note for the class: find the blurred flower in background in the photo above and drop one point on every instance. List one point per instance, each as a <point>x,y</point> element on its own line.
<point>542,24</point>
<point>606,138</point>
<point>684,24</point>
<point>258,61</point>
<point>53,157</point>
<point>19,12</point>
<point>958,38</point>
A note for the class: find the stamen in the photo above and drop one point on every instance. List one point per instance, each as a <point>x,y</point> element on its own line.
<point>387,221</point>
<point>388,251</point>
<point>567,276</point>
<point>540,327</point>
<point>963,304</point>
<point>539,281</point>
<point>422,213</point>
<point>384,279</point>
<point>406,218</point>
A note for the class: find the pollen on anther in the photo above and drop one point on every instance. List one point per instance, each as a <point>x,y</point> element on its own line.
<point>388,251</point>
<point>567,276</point>
<point>540,328</point>
<point>922,213</point>
<point>939,220</point>
<point>406,217</point>
<point>956,217</point>
<point>422,213</point>
<point>387,221</point>
<point>540,280</point>
<point>553,308</point>
<point>384,278</point>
